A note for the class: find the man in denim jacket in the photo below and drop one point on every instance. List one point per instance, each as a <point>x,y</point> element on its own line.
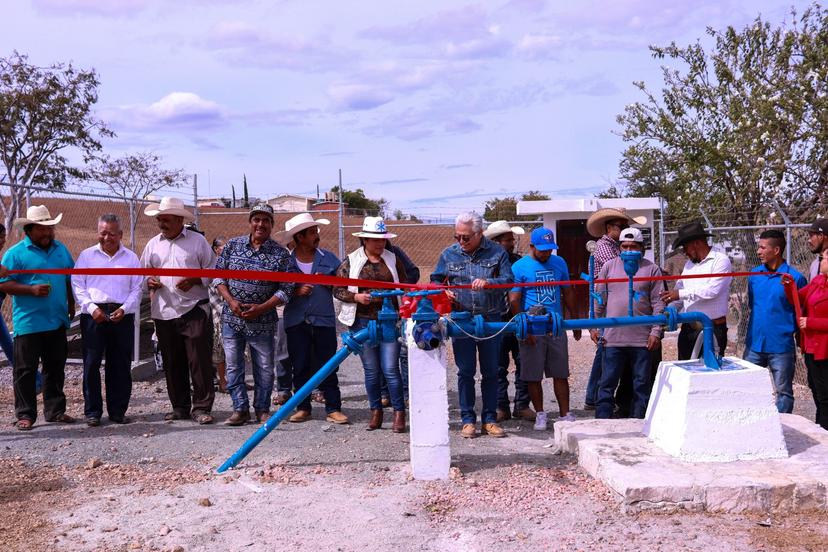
<point>478,261</point>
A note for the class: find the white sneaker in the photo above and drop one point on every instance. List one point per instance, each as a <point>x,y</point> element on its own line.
<point>540,421</point>
<point>570,417</point>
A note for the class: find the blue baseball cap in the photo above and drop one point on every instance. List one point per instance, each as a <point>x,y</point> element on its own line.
<point>543,239</point>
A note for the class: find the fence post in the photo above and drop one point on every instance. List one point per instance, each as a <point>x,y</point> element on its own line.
<point>341,220</point>
<point>195,200</point>
<point>661,246</point>
<point>785,218</point>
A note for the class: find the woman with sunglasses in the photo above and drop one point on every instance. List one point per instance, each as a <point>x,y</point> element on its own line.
<point>371,261</point>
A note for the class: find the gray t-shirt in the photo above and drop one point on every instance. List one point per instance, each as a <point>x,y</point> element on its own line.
<point>814,269</point>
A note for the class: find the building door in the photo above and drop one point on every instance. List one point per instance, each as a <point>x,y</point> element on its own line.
<point>572,238</point>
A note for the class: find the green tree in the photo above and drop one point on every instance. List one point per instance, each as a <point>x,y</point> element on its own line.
<point>357,202</point>
<point>133,178</point>
<point>46,111</point>
<point>233,191</point>
<point>246,196</point>
<point>736,125</point>
<point>506,208</point>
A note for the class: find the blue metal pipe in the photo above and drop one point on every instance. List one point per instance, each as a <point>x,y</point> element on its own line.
<point>356,339</point>
<point>592,286</point>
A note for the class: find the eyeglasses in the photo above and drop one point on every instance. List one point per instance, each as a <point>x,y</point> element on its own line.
<point>463,237</point>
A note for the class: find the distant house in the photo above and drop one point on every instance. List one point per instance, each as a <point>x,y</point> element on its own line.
<point>290,203</point>
<point>326,206</point>
<point>211,202</point>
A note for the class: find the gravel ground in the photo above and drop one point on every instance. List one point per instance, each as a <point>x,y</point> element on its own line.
<point>150,485</point>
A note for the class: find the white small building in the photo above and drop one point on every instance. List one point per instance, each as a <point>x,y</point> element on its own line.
<point>290,203</point>
<point>567,218</point>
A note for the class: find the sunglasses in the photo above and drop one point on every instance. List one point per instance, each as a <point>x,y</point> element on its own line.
<point>463,237</point>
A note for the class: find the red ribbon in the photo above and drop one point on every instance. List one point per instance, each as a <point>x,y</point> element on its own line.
<point>321,279</point>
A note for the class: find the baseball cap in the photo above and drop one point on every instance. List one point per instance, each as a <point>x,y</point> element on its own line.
<point>543,239</point>
<point>819,225</point>
<point>631,234</point>
<point>261,208</point>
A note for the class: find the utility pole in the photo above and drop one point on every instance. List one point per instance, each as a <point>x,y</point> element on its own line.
<point>341,220</point>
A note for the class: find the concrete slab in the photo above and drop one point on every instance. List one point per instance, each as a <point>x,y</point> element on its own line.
<point>647,478</point>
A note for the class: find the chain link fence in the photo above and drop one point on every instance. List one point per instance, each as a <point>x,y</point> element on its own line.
<point>740,242</point>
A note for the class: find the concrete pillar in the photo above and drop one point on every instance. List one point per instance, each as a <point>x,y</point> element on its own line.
<point>428,411</point>
<point>699,415</point>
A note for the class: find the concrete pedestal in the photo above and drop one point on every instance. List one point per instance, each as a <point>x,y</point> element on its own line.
<point>698,415</point>
<point>428,411</point>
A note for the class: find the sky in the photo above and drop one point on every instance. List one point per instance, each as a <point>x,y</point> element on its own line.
<point>434,105</point>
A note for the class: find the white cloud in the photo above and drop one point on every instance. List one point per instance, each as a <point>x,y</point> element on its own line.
<point>176,110</point>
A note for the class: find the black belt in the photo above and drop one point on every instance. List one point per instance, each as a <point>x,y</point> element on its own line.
<point>719,321</point>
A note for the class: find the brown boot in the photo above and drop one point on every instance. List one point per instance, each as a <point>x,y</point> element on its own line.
<point>376,420</point>
<point>399,422</point>
<point>238,417</point>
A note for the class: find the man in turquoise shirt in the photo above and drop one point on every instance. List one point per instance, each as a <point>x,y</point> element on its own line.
<point>42,309</point>
<point>770,336</point>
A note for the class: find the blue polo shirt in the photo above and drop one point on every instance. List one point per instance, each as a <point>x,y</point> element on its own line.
<point>529,269</point>
<point>772,320</point>
<point>39,314</point>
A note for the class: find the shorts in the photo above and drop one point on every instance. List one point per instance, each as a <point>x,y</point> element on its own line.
<point>549,356</point>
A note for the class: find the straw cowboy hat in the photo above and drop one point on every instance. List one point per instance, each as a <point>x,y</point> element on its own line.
<point>297,224</point>
<point>597,220</point>
<point>689,232</point>
<point>499,227</point>
<point>38,214</point>
<point>374,227</point>
<point>168,206</point>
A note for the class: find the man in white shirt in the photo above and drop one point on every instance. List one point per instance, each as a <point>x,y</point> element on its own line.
<point>707,295</point>
<point>181,311</point>
<point>108,305</point>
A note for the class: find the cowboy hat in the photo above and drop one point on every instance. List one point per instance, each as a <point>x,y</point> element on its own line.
<point>297,224</point>
<point>168,206</point>
<point>499,227</point>
<point>38,214</point>
<point>689,232</point>
<point>597,220</point>
<point>374,227</point>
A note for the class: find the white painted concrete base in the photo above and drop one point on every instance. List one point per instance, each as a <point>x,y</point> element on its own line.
<point>428,411</point>
<point>714,416</point>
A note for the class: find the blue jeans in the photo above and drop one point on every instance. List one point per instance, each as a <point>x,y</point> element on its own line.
<point>509,344</point>
<point>310,347</point>
<point>378,362</point>
<point>782,367</point>
<point>465,356</point>
<point>403,373</point>
<point>261,355</point>
<point>615,360</point>
<point>595,376</point>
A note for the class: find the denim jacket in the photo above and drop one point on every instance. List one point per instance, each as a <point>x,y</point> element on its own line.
<point>316,309</point>
<point>491,262</point>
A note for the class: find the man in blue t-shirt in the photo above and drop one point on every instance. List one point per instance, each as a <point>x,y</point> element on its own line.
<point>544,355</point>
<point>770,336</point>
<point>42,308</point>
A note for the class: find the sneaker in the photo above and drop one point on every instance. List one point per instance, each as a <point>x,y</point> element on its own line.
<point>570,417</point>
<point>540,421</point>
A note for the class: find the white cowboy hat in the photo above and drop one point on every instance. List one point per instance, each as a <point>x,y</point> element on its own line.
<point>499,227</point>
<point>597,220</point>
<point>374,227</point>
<point>168,206</point>
<point>38,214</point>
<point>297,224</point>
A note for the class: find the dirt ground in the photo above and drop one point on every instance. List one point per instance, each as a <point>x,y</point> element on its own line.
<point>151,486</point>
